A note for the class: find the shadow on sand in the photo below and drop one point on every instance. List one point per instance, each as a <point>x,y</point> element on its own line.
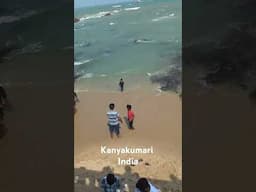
<point>89,180</point>
<point>127,123</point>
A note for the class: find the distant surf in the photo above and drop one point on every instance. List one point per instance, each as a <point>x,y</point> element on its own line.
<point>87,75</point>
<point>163,17</point>
<point>77,63</point>
<point>132,9</point>
<point>99,15</point>
<point>117,6</point>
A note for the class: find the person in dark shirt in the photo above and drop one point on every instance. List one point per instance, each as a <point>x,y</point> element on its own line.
<point>143,185</point>
<point>121,85</point>
<point>75,97</point>
<point>110,183</point>
<point>3,102</point>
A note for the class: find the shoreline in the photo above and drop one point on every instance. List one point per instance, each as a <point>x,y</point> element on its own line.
<point>97,86</point>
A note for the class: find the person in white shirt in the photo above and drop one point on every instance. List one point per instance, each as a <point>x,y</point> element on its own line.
<point>113,121</point>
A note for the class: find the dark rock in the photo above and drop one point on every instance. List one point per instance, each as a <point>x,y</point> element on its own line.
<point>169,81</point>
<point>76,20</point>
<point>107,14</point>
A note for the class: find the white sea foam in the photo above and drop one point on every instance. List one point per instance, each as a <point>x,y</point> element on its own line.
<point>163,17</point>
<point>160,18</point>
<point>103,75</point>
<point>132,8</point>
<point>94,16</point>
<point>111,23</point>
<point>77,63</point>
<point>83,44</point>
<point>99,15</point>
<point>145,41</point>
<point>88,75</point>
<point>116,11</point>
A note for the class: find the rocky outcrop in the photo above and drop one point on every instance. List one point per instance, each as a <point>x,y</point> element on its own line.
<point>169,81</point>
<point>76,20</point>
<point>107,14</point>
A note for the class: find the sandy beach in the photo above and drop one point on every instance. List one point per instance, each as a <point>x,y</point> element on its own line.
<point>157,124</point>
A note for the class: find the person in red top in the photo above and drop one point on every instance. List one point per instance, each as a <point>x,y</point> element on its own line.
<point>130,116</point>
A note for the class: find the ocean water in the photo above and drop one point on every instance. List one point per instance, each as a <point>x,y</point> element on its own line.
<point>131,40</point>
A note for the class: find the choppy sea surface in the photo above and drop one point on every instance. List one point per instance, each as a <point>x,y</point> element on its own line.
<point>132,40</point>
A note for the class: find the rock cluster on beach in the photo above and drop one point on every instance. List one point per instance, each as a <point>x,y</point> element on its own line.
<point>169,81</point>
<point>76,20</point>
<point>108,14</point>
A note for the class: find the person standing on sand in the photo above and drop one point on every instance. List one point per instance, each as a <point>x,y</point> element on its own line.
<point>3,102</point>
<point>130,116</point>
<point>75,97</point>
<point>110,183</point>
<point>121,85</point>
<point>113,121</point>
<point>143,185</point>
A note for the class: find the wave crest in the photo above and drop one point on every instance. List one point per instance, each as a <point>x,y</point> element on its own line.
<point>132,8</point>
<point>163,17</point>
<point>77,63</point>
